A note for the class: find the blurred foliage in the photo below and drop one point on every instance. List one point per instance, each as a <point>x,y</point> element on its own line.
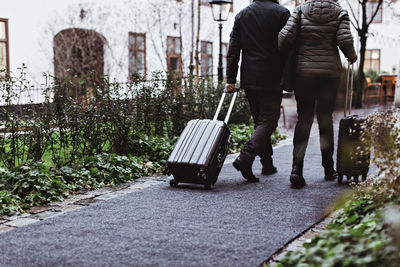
<point>367,231</point>
<point>375,77</point>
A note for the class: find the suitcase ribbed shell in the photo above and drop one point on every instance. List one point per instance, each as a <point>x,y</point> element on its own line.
<point>199,152</point>
<point>353,156</point>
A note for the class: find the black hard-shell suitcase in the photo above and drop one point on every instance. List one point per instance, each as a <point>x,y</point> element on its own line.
<point>200,151</point>
<point>353,156</point>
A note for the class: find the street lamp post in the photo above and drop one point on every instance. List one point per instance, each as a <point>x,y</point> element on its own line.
<point>220,11</point>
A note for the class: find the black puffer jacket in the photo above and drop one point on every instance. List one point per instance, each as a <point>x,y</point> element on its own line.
<point>324,27</point>
<point>255,33</point>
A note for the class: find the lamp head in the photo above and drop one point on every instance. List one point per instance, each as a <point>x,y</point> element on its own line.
<point>220,9</point>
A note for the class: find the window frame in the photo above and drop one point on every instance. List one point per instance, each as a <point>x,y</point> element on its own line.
<point>205,57</point>
<point>370,59</point>
<point>135,49</point>
<point>174,54</point>
<point>372,11</point>
<point>7,43</point>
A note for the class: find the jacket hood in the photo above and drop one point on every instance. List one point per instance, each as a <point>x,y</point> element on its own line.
<point>321,11</point>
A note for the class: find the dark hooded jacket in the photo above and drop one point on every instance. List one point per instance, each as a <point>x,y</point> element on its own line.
<point>255,33</point>
<point>321,27</point>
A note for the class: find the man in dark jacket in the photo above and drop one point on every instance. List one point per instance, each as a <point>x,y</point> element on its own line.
<point>319,28</point>
<point>255,34</point>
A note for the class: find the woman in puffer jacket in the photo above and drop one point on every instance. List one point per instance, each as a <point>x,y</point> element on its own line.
<point>317,28</point>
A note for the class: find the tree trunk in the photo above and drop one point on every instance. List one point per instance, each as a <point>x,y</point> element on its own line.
<point>196,55</point>
<point>360,75</point>
<point>191,67</point>
<point>362,33</point>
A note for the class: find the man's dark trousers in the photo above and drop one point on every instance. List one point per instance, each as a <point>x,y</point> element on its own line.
<point>265,110</point>
<point>310,92</point>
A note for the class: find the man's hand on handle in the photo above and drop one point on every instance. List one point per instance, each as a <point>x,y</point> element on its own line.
<point>352,60</point>
<point>230,88</point>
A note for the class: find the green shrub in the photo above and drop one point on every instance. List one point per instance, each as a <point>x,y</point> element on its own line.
<point>8,203</point>
<point>241,134</point>
<point>34,185</point>
<point>382,133</point>
<point>101,170</point>
<point>358,237</point>
<point>367,232</point>
<point>66,128</point>
<point>27,186</point>
<point>373,75</point>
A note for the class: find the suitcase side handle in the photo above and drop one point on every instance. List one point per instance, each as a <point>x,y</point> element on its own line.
<point>349,89</point>
<point>230,106</point>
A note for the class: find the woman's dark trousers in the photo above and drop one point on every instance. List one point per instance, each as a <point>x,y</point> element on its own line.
<point>315,93</point>
<point>265,110</point>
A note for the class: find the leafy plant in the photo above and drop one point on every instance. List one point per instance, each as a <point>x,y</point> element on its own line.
<point>241,134</point>
<point>367,232</point>
<point>33,185</point>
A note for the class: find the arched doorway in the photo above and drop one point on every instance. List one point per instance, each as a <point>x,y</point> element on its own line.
<point>79,62</point>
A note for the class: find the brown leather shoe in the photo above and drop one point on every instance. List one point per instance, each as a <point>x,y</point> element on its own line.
<point>245,169</point>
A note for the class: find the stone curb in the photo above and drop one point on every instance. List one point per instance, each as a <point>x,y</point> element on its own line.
<point>297,243</point>
<point>39,213</point>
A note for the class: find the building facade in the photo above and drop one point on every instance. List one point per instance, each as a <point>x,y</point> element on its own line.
<point>143,36</point>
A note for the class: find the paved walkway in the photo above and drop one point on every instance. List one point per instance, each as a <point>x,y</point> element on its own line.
<point>236,224</point>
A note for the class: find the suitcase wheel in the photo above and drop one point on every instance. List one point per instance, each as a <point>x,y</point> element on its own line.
<point>202,174</point>
<point>167,171</point>
<point>340,178</point>
<point>208,186</point>
<point>364,177</point>
<point>173,183</point>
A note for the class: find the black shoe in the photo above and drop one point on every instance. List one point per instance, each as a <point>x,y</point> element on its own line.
<point>268,170</point>
<point>268,167</point>
<point>245,169</point>
<point>296,177</point>
<point>331,174</point>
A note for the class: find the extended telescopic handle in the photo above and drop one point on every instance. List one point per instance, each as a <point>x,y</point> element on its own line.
<point>349,89</point>
<point>230,106</point>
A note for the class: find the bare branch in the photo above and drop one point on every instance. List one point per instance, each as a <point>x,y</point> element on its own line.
<point>357,27</point>
<point>376,12</point>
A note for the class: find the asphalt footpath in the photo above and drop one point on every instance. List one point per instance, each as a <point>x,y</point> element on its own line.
<point>235,224</point>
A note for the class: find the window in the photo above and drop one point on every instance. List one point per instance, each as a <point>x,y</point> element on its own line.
<point>372,60</point>
<point>224,56</point>
<point>371,8</point>
<point>4,53</point>
<point>206,58</point>
<point>174,60</point>
<point>137,53</point>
